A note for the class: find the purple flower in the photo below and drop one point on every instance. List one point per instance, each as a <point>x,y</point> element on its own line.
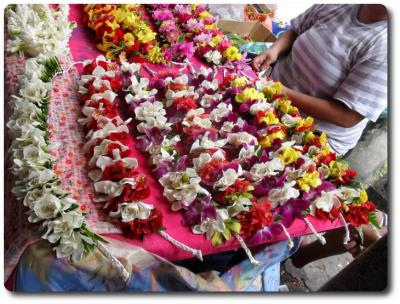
<point>268,183</point>
<point>291,210</point>
<point>316,192</point>
<point>264,234</point>
<point>162,169</point>
<point>184,49</point>
<point>198,211</point>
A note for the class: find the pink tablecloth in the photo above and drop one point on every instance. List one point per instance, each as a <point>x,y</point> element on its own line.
<point>63,114</point>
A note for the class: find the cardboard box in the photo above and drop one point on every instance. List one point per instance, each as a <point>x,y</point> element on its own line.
<point>254,29</point>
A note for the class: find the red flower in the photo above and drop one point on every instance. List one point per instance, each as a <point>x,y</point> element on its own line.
<point>113,146</point>
<point>358,214</point>
<point>326,159</point>
<point>210,172</point>
<point>118,171</point>
<point>185,103</point>
<point>345,178</point>
<point>137,229</point>
<point>258,216</point>
<point>333,214</point>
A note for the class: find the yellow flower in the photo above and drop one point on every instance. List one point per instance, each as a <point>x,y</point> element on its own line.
<point>269,118</point>
<point>268,140</point>
<point>232,53</point>
<point>215,41</point>
<point>284,105</point>
<point>288,155</point>
<point>155,55</point>
<point>239,82</point>
<point>205,15</point>
<point>146,35</point>
<point>345,207</point>
<point>323,139</point>
<point>336,167</point>
<point>309,180</point>
<point>129,39</point>
<point>273,89</point>
<point>325,150</point>
<point>249,94</point>
<point>363,196</point>
<point>210,27</point>
<point>309,136</point>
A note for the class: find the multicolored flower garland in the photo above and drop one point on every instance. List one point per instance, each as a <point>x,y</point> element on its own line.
<point>191,27</point>
<point>280,168</point>
<point>117,183</point>
<point>123,33</point>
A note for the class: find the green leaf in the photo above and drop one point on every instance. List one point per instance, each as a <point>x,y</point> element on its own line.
<point>361,233</point>
<point>216,239</point>
<point>373,220</point>
<point>227,233</point>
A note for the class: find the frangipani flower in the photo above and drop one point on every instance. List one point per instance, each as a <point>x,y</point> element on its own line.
<point>279,196</point>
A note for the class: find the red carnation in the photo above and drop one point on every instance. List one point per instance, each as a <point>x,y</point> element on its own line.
<point>258,216</point>
<point>118,171</point>
<point>185,103</point>
<point>137,228</point>
<point>358,214</point>
<point>211,170</point>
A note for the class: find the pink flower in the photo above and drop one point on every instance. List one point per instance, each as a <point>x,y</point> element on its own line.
<point>162,14</point>
<point>184,49</point>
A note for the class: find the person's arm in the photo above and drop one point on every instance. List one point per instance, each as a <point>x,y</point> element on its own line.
<point>280,47</point>
<point>332,111</point>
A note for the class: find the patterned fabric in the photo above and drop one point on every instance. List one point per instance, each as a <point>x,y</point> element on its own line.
<point>39,271</point>
<point>349,64</point>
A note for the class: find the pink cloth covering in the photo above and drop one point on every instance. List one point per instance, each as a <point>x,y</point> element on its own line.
<point>83,47</point>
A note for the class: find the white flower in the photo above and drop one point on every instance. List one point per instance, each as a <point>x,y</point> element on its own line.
<point>241,205</point>
<point>220,112</point>
<point>107,94</point>
<point>131,211</point>
<point>206,157</point>
<point>139,90</point>
<point>326,201</point>
<point>282,195</point>
<point>209,85</point>
<point>259,107</point>
<point>181,188</point>
<point>106,190</point>
<point>207,100</point>
<point>71,246</point>
<point>289,120</point>
<point>206,143</point>
<point>63,226</point>
<point>348,194</point>
<point>132,68</point>
<point>210,226</point>
<point>203,71</point>
<point>228,178</point>
<point>161,157</point>
<point>213,57</point>
<point>240,138</point>
<point>47,207</point>
<point>195,117</point>
<point>149,110</point>
<point>227,127</point>
<point>100,72</point>
<point>262,83</point>
<point>269,168</point>
<point>247,152</point>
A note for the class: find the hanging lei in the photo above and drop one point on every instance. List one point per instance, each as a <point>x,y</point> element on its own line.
<point>192,28</point>
<point>123,33</point>
<point>284,169</point>
<point>117,183</point>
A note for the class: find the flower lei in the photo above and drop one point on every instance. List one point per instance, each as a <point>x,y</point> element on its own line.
<point>37,183</point>
<point>117,183</point>
<point>230,175</point>
<point>186,26</point>
<point>123,33</point>
<point>37,28</point>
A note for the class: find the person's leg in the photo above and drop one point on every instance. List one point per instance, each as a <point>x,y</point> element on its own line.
<point>310,252</point>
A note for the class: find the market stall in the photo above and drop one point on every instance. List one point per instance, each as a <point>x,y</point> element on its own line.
<point>140,137</point>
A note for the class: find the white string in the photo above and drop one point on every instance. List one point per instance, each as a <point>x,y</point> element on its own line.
<point>290,241</point>
<point>347,235</point>
<point>125,275</point>
<point>152,73</point>
<point>191,68</point>
<point>319,236</point>
<point>195,252</point>
<point>247,250</point>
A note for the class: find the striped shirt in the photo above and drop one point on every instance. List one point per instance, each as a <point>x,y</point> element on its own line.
<point>335,56</point>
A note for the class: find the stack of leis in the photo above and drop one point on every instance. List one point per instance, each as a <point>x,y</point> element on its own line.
<point>252,176</point>
<point>123,33</point>
<point>37,184</point>
<point>117,183</point>
<point>197,25</point>
<point>37,28</point>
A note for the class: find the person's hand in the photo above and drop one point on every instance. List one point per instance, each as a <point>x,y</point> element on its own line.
<point>264,60</point>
